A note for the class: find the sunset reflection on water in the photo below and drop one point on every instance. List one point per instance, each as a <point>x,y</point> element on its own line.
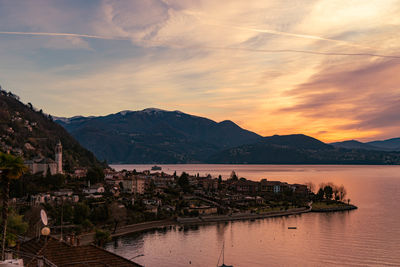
<point>368,236</point>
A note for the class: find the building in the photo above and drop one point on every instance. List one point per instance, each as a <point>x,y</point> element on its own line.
<point>247,186</point>
<point>43,165</point>
<point>39,199</point>
<point>152,209</point>
<point>80,173</point>
<point>94,189</point>
<point>273,186</point>
<point>208,183</point>
<point>134,184</point>
<point>300,189</point>
<point>58,157</point>
<point>64,192</point>
<point>204,210</point>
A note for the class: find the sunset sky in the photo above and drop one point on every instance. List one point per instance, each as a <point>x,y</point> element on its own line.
<point>329,69</point>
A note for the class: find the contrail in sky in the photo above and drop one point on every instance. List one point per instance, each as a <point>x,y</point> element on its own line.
<point>102,37</point>
<point>202,18</point>
<point>303,51</point>
<point>304,36</point>
<point>55,34</point>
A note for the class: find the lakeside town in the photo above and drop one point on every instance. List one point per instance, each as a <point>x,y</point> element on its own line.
<point>59,200</point>
<point>92,205</point>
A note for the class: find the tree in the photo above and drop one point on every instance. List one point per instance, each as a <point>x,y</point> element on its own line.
<point>11,168</point>
<point>102,236</point>
<point>328,192</point>
<point>81,213</point>
<point>95,175</point>
<point>150,189</point>
<point>310,186</point>
<point>56,181</point>
<point>233,176</point>
<point>118,213</point>
<point>87,225</point>
<point>320,194</point>
<point>183,181</point>
<point>100,213</point>
<point>16,226</point>
<point>219,181</point>
<point>336,195</point>
<point>342,192</point>
<point>121,186</point>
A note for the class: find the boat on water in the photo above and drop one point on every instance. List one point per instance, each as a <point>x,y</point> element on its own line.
<point>292,227</point>
<point>223,258</point>
<point>156,168</point>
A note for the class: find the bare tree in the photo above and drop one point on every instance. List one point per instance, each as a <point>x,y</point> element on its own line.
<point>342,192</point>
<point>310,186</point>
<point>335,192</point>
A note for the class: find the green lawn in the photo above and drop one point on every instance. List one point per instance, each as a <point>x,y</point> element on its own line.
<point>328,205</point>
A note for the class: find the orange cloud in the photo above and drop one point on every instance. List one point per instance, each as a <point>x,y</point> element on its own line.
<point>356,101</point>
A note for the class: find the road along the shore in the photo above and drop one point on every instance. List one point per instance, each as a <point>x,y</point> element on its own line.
<point>134,228</point>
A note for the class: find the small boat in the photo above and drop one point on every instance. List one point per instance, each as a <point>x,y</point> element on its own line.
<point>156,168</point>
<point>292,227</point>
<point>223,258</point>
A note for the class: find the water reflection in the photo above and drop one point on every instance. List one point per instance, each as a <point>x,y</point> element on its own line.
<point>368,236</point>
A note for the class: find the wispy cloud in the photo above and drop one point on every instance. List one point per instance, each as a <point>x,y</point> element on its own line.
<point>58,34</point>
<point>352,99</point>
<point>305,52</point>
<point>155,42</point>
<point>324,68</point>
<point>304,36</point>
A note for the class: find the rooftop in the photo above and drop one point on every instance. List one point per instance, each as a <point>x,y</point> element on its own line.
<point>62,254</point>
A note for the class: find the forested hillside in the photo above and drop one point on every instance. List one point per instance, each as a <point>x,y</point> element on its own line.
<point>28,132</point>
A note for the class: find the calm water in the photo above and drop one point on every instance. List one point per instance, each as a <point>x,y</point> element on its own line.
<point>369,236</point>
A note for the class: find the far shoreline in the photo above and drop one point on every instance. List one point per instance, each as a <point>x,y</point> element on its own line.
<point>250,164</point>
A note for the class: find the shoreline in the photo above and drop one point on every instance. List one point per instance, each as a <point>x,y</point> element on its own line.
<point>255,164</point>
<point>181,222</point>
<point>145,226</point>
<point>334,209</point>
<point>240,216</point>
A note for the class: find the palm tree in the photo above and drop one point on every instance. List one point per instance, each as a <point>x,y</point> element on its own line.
<point>11,167</point>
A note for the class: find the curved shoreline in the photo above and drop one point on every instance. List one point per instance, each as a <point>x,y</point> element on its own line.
<point>146,226</point>
<point>337,208</point>
<point>240,216</point>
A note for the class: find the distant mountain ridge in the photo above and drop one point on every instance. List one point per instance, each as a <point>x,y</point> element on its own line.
<point>300,149</point>
<point>354,144</point>
<point>392,144</point>
<point>155,136</point>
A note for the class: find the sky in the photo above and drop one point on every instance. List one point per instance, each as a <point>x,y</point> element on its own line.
<point>329,69</point>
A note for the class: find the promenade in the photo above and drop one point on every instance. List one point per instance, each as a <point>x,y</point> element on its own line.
<point>134,228</point>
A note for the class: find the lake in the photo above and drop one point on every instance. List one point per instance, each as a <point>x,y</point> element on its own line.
<point>368,236</point>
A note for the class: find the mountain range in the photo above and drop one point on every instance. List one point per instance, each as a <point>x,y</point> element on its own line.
<point>384,145</point>
<point>300,149</point>
<point>156,136</point>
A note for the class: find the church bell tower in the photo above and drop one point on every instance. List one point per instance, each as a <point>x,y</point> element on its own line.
<point>58,157</point>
